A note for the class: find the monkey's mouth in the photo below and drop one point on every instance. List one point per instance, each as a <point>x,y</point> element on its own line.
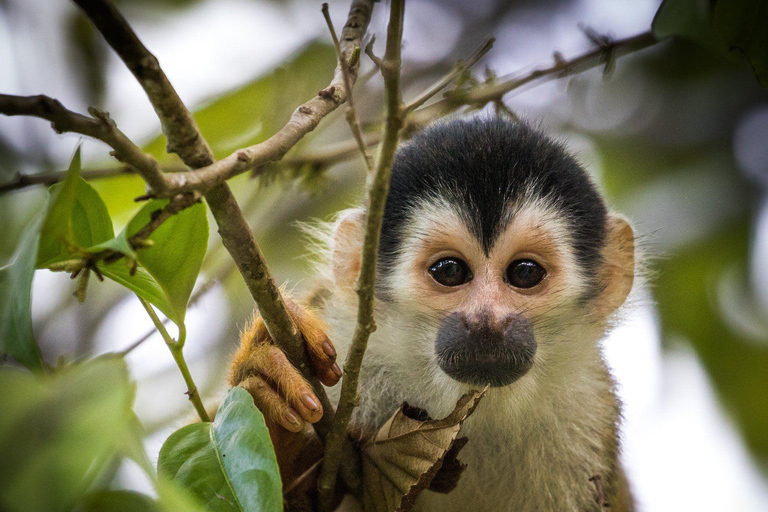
<point>496,369</point>
<point>480,351</point>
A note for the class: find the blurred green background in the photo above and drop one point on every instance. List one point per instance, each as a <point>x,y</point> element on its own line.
<point>676,135</point>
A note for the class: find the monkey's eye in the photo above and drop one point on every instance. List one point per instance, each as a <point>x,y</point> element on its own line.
<point>525,273</point>
<point>450,272</point>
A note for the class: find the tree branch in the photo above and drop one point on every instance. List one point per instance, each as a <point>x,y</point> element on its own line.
<point>99,127</point>
<point>178,125</point>
<point>378,189</point>
<point>485,93</point>
<point>477,95</point>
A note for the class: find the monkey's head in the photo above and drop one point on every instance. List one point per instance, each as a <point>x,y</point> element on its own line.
<point>498,256</point>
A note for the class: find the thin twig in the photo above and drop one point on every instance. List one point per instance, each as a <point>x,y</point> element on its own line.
<point>378,189</point>
<point>460,67</point>
<point>177,351</point>
<point>352,118</point>
<point>21,181</point>
<point>483,94</point>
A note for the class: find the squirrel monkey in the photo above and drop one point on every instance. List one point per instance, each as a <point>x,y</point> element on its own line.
<point>499,264</point>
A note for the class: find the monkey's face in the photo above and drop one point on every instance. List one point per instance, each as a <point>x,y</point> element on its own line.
<point>499,261</point>
<point>485,303</point>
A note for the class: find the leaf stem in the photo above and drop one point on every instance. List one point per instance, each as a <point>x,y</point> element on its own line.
<point>176,347</point>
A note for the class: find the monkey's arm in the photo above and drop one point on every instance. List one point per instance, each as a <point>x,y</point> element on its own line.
<point>283,396</point>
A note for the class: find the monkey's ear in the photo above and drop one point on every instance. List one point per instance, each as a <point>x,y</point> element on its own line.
<point>618,272</point>
<point>348,235</point>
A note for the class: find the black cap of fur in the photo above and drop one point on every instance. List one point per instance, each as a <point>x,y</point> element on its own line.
<point>481,165</point>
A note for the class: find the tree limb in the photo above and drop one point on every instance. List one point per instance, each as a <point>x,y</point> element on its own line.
<point>378,189</point>
<point>99,127</point>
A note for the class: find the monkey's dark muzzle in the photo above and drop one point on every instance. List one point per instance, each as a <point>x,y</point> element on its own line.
<point>482,351</point>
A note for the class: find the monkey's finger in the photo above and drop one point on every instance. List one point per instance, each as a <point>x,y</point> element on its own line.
<point>274,408</point>
<point>272,363</point>
<point>322,354</point>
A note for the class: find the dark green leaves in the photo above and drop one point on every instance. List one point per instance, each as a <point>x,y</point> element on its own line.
<point>74,233</point>
<point>57,431</point>
<point>229,465</point>
<point>724,25</point>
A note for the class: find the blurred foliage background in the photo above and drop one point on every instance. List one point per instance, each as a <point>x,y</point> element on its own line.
<point>676,135</point>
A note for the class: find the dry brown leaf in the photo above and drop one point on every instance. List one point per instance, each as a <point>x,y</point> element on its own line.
<point>407,453</point>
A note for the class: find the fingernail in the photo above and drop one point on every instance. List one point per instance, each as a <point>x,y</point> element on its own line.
<point>328,348</point>
<point>310,403</point>
<point>336,370</point>
<point>292,418</point>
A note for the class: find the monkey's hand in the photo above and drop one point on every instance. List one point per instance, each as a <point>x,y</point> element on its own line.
<point>280,392</point>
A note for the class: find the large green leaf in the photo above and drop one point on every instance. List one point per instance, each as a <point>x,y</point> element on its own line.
<point>254,112</point>
<point>724,25</point>
<point>16,336</point>
<point>172,262</point>
<point>57,431</point>
<point>229,464</point>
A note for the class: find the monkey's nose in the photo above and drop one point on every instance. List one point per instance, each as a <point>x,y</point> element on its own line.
<point>479,349</point>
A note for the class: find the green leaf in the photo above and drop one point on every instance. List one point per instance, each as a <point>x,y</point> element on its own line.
<point>57,231</point>
<point>172,262</point>
<point>132,446</point>
<point>58,430</point>
<point>690,19</point>
<point>16,336</point>
<point>254,112</point>
<point>76,218</point>
<point>721,25</point>
<point>118,501</point>
<point>229,465</point>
